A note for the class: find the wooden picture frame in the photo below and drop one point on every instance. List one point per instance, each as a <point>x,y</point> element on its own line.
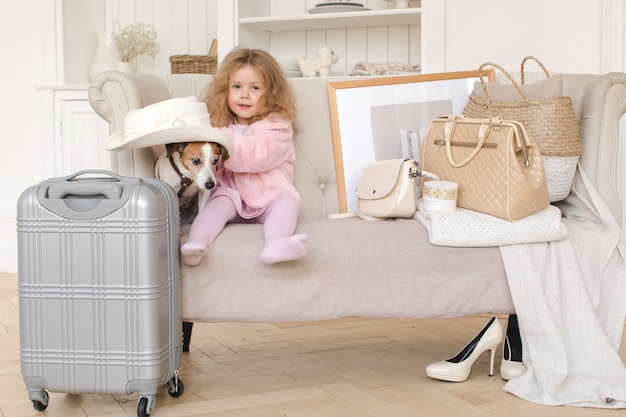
<point>369,115</point>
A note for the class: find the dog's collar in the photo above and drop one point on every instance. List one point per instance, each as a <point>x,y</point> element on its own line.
<point>184,181</point>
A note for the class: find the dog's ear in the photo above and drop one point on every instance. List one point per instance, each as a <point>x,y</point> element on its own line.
<point>223,152</point>
<point>175,147</point>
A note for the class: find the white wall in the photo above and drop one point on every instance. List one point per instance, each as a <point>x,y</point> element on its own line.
<point>25,64</point>
<point>566,35</point>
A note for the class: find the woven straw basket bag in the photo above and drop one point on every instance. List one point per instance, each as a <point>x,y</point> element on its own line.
<point>549,121</point>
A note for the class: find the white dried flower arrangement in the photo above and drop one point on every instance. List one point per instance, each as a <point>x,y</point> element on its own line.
<point>136,41</point>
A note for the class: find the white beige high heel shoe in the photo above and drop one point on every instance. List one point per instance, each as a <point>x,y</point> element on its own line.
<point>457,368</point>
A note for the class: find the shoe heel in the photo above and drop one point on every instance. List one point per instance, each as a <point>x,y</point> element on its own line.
<point>492,361</point>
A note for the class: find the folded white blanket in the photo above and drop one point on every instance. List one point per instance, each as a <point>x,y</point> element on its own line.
<point>468,228</point>
<point>387,68</point>
<point>570,298</point>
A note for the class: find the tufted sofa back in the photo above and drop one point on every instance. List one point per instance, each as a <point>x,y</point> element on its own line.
<point>599,102</point>
<point>113,94</point>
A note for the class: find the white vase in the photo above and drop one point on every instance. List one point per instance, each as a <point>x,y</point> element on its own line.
<point>123,67</point>
<point>106,54</point>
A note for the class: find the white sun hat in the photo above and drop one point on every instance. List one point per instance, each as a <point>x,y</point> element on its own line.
<point>176,120</point>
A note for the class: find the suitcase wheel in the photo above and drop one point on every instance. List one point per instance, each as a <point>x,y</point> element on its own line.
<point>39,406</point>
<point>142,407</point>
<point>175,387</point>
<point>40,399</point>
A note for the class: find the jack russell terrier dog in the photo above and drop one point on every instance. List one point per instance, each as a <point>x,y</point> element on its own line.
<point>189,168</point>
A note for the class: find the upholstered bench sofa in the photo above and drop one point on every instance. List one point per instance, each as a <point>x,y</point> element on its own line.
<point>354,267</point>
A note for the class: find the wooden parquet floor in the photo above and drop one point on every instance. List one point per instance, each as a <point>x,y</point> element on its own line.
<point>341,368</point>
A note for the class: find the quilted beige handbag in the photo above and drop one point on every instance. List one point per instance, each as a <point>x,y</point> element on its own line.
<point>498,168</point>
<point>387,189</point>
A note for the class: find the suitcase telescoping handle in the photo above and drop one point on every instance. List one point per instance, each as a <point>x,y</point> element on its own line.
<point>98,173</point>
<point>97,194</point>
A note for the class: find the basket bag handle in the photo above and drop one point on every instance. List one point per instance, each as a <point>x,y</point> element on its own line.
<point>508,75</point>
<point>532,58</point>
<point>505,72</point>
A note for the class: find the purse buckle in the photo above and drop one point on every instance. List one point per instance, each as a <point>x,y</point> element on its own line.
<point>423,174</point>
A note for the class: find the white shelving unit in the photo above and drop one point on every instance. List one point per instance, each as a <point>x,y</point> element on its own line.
<point>284,28</point>
<point>367,18</point>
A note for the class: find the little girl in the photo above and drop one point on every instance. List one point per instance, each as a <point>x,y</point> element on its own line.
<point>251,100</point>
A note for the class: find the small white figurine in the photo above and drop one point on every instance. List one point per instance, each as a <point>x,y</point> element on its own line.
<point>324,59</point>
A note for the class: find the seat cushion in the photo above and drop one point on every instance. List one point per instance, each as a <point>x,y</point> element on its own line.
<point>353,268</point>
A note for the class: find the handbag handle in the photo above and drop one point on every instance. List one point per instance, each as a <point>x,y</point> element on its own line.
<point>532,58</point>
<point>484,84</point>
<point>522,141</point>
<point>482,137</point>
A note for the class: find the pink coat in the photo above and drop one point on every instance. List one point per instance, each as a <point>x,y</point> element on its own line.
<point>262,165</point>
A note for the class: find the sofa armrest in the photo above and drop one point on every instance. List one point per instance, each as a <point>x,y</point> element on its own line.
<point>600,102</point>
<point>112,94</point>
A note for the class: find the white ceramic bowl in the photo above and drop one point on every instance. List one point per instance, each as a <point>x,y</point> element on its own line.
<point>440,195</point>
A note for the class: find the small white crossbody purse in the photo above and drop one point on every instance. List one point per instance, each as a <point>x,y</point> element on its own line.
<point>387,189</point>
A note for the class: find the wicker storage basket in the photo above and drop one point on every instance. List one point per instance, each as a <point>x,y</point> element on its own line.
<point>193,64</point>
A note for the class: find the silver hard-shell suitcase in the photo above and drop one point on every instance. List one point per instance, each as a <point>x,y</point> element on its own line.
<point>99,287</point>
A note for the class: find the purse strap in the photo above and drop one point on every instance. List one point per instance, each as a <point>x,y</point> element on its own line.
<point>532,58</point>
<point>483,132</point>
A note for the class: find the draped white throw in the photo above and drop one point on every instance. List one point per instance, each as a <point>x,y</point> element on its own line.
<point>570,298</point>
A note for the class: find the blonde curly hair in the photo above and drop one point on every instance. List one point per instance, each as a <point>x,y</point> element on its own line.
<point>279,96</point>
